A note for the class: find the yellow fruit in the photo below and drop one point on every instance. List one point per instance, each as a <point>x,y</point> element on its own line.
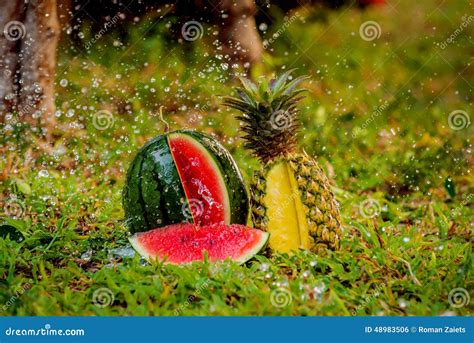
<point>290,196</point>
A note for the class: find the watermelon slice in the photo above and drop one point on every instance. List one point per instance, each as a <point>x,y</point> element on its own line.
<point>202,181</point>
<point>185,243</point>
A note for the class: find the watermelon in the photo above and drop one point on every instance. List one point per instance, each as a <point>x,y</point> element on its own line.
<point>185,243</point>
<point>183,176</point>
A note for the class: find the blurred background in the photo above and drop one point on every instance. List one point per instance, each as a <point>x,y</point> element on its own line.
<point>388,114</point>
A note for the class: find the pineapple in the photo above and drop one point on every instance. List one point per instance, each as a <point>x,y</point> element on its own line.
<point>290,195</point>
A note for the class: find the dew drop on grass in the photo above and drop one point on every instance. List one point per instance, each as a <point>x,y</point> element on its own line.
<point>264,267</point>
<point>87,255</point>
<point>63,83</point>
<point>402,303</point>
<point>406,239</point>
<point>43,173</point>
<point>313,263</point>
<point>319,289</point>
<point>123,252</point>
<point>305,274</point>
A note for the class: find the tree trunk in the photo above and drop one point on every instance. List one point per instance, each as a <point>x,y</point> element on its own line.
<point>28,53</point>
<point>238,31</point>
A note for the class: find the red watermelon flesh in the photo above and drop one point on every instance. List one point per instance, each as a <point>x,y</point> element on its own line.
<point>185,243</point>
<point>203,184</point>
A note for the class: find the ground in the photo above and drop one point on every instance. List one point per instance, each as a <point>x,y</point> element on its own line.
<point>387,115</point>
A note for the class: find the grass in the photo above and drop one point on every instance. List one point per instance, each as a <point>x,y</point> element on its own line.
<point>376,117</point>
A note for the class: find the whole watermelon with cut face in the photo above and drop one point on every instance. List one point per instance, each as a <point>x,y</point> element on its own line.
<point>183,176</point>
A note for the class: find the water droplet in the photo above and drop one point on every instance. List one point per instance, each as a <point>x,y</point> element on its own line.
<point>305,274</point>
<point>263,27</point>
<point>124,252</point>
<point>264,267</point>
<point>43,173</point>
<point>63,83</point>
<point>319,289</point>
<point>402,303</point>
<point>87,255</point>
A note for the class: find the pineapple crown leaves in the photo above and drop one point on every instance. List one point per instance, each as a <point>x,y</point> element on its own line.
<point>269,114</point>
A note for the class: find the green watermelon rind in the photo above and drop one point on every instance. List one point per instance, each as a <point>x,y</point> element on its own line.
<point>259,246</point>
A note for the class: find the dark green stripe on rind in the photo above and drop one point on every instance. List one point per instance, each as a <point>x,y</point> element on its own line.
<point>131,199</point>
<point>238,198</point>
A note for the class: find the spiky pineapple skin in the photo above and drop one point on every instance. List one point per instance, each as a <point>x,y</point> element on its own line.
<point>321,209</point>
